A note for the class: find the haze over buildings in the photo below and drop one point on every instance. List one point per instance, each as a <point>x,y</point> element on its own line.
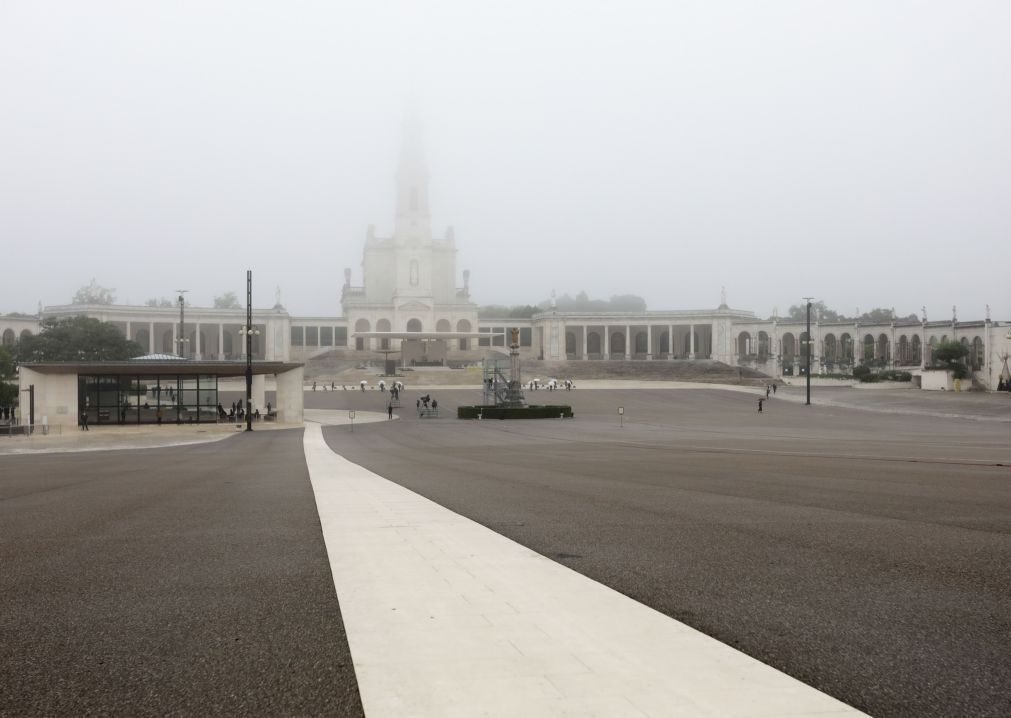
<point>857,153</point>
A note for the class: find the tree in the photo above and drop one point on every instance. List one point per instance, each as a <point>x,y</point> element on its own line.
<point>94,293</point>
<point>8,373</point>
<point>951,355</point>
<point>228,300</point>
<point>798,312</point>
<point>77,339</point>
<point>163,302</point>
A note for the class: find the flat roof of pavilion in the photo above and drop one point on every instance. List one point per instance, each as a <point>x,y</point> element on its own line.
<point>151,367</point>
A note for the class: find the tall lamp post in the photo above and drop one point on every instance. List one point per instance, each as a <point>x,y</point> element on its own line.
<point>182,323</point>
<point>808,342</point>
<point>249,332</point>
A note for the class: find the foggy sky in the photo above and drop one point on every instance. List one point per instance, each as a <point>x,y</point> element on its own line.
<point>856,152</point>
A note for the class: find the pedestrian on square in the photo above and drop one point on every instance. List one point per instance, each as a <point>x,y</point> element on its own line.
<point>84,421</point>
<point>389,410</point>
<point>760,400</point>
<point>767,390</point>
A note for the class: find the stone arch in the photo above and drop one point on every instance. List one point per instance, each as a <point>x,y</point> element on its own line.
<point>883,347</point>
<point>617,342</point>
<point>763,344</point>
<point>977,354</point>
<point>664,343</point>
<point>789,346</point>
<point>916,350</point>
<point>463,326</point>
<point>414,325</point>
<point>570,343</point>
<point>8,339</point>
<point>641,343</point>
<point>830,350</point>
<point>744,344</point>
<point>868,347</point>
<point>443,325</point>
<point>362,325</point>
<point>143,339</point>
<point>593,343</point>
<point>25,333</point>
<point>846,347</point>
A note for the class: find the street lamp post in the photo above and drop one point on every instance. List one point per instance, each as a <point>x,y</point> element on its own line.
<point>249,332</point>
<point>809,342</point>
<point>182,323</point>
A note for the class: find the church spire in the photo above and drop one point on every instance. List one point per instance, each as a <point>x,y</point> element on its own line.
<point>413,221</point>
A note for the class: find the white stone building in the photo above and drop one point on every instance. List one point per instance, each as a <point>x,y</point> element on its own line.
<point>411,301</point>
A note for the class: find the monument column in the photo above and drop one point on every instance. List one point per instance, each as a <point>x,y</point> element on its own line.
<point>129,335</point>
<point>691,341</point>
<point>221,341</point>
<point>607,342</point>
<point>649,341</point>
<point>585,357</point>
<point>175,340</point>
<point>628,342</point>
<point>150,337</point>
<point>670,342</point>
<point>196,342</point>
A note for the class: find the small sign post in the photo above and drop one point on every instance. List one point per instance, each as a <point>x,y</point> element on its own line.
<point>351,416</point>
<point>621,417</point>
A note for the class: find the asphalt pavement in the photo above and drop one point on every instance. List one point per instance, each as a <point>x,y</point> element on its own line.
<point>864,553</point>
<point>189,580</point>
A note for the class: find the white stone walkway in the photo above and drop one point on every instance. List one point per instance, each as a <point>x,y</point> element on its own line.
<point>447,618</point>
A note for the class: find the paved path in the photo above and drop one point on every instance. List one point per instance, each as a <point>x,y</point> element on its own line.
<point>446,617</point>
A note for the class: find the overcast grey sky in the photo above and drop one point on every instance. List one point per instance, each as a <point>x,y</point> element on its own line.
<point>858,152</point>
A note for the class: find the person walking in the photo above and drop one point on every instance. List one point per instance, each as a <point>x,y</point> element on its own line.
<point>389,410</point>
<point>84,421</point>
<point>767,390</point>
<point>773,387</point>
<point>760,400</point>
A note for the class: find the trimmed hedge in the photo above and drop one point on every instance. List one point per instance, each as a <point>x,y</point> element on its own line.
<point>514,412</point>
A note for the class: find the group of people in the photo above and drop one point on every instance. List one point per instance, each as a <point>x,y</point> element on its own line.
<point>550,384</point>
<point>769,389</point>
<point>7,414</point>
<point>427,405</point>
<point>333,386</point>
<point>1003,385</point>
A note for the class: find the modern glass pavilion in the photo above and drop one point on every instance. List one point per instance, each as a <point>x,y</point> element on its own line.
<point>151,390</point>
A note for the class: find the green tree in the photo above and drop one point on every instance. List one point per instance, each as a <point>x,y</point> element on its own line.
<point>798,312</point>
<point>76,339</point>
<point>94,293</point>
<point>951,356</point>
<point>8,374</point>
<point>163,302</point>
<point>228,300</point>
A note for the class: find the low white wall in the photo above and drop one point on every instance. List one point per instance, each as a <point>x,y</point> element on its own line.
<point>938,380</point>
<point>55,397</point>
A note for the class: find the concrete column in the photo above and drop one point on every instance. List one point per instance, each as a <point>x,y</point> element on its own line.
<point>670,343</point>
<point>584,342</point>
<point>197,349</point>
<point>628,342</point>
<point>150,338</point>
<point>221,341</point>
<point>290,406</point>
<point>607,342</point>
<point>691,341</point>
<point>259,394</point>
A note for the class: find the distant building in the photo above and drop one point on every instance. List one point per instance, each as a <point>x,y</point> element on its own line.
<point>411,301</point>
